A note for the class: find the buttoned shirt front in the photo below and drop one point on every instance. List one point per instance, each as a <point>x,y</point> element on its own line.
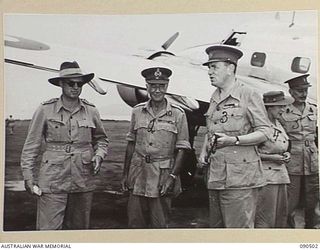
<point>277,143</point>
<point>70,140</point>
<point>239,113</point>
<point>301,128</point>
<point>156,137</point>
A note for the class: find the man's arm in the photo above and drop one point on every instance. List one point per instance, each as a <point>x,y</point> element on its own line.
<point>127,160</point>
<point>182,144</point>
<point>32,147</point>
<point>99,137</point>
<point>253,138</point>
<point>100,143</point>
<point>131,138</point>
<point>203,157</point>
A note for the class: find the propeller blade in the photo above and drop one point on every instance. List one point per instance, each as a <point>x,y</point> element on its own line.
<point>168,43</point>
<point>23,43</point>
<point>94,84</point>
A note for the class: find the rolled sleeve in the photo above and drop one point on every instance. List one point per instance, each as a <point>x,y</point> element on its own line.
<point>131,135</point>
<point>183,133</point>
<point>32,145</point>
<point>258,114</point>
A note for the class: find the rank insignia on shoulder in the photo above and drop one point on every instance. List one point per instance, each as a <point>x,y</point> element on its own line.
<point>88,103</point>
<point>50,101</point>
<point>177,107</point>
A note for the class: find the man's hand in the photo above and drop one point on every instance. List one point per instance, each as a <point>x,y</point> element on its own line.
<point>96,161</point>
<point>203,160</point>
<point>224,140</point>
<point>28,184</point>
<point>124,183</point>
<point>167,186</point>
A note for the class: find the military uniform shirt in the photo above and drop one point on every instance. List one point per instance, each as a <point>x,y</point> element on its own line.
<point>71,139</point>
<point>301,129</point>
<point>239,113</point>
<point>278,142</point>
<point>156,138</point>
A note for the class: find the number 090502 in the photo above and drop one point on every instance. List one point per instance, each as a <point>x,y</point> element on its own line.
<point>309,246</point>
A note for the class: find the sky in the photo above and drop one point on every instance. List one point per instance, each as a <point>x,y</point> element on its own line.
<point>112,35</point>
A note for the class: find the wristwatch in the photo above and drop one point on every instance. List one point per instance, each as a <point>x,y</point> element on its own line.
<point>237,141</point>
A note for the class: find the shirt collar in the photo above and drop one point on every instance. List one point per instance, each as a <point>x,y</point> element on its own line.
<point>233,92</point>
<point>59,104</point>
<point>168,109</point>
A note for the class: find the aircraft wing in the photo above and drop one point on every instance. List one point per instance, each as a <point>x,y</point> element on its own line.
<point>109,67</point>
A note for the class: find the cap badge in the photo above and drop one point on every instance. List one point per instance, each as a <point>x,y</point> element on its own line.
<point>158,73</point>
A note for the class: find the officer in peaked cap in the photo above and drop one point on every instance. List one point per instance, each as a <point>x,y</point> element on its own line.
<point>156,75</point>
<point>300,123</point>
<point>236,123</point>
<point>223,53</point>
<point>151,170</point>
<point>299,82</point>
<point>75,146</point>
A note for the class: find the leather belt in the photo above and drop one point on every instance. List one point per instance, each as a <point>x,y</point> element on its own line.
<point>307,143</point>
<point>148,158</point>
<point>67,146</point>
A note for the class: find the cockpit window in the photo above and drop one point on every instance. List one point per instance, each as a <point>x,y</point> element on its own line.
<point>300,65</point>
<point>258,59</point>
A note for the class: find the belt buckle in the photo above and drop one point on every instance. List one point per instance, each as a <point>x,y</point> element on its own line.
<point>147,158</point>
<point>68,148</point>
<point>306,143</point>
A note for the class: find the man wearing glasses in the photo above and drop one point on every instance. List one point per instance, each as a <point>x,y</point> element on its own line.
<point>75,146</point>
<point>157,138</point>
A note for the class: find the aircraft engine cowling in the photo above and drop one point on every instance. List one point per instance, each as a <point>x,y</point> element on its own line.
<point>132,96</point>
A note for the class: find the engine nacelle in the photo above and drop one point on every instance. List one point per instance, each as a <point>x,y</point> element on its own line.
<point>132,96</point>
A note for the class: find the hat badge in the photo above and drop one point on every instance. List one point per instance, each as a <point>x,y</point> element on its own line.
<point>158,73</point>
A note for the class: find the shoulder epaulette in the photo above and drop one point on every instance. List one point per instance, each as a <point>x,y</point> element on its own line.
<point>177,107</point>
<point>88,103</point>
<point>140,104</point>
<point>50,101</point>
<point>313,104</point>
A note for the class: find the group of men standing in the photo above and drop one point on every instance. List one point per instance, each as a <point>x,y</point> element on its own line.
<point>237,123</point>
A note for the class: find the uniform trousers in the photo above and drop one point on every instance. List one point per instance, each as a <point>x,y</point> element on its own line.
<point>64,211</point>
<point>305,189</point>
<point>146,212</point>
<point>272,209</point>
<point>232,208</point>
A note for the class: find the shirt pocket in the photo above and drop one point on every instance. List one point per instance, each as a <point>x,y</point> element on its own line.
<point>54,129</point>
<point>135,170</point>
<point>141,128</point>
<point>232,119</point>
<point>314,167</point>
<point>295,165</point>
<point>85,130</point>
<point>86,166</point>
<point>52,169</point>
<point>312,122</point>
<point>165,135</point>
<point>243,170</point>
<point>240,175</point>
<point>291,123</point>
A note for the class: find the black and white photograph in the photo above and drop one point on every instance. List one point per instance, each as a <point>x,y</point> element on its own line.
<point>161,121</point>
